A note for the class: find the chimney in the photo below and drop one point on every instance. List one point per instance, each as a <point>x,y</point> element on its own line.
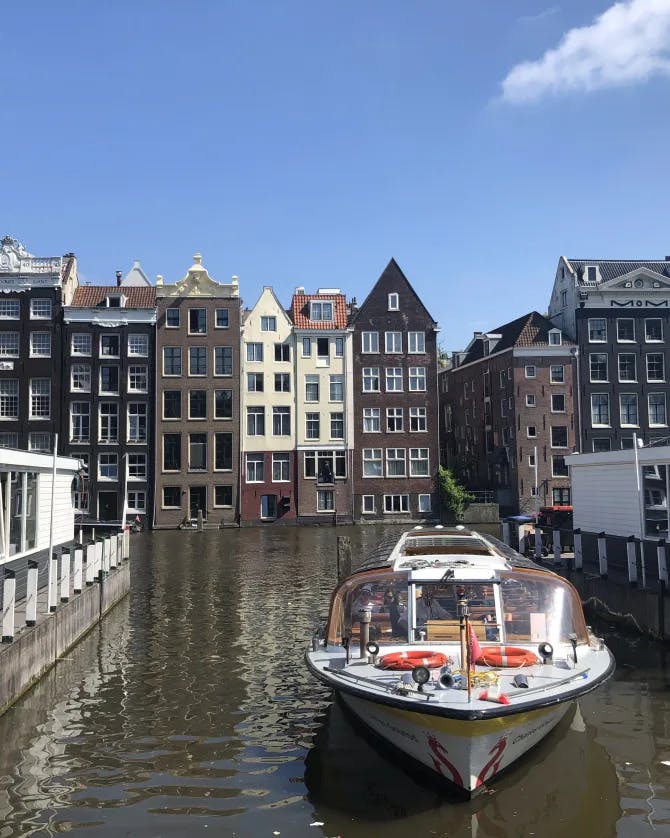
<point>119,274</point>
<point>667,258</point>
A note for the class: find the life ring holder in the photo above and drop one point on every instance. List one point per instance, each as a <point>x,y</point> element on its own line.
<point>406,661</point>
<point>507,656</point>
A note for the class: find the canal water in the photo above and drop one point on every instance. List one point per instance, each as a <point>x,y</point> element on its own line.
<point>189,712</point>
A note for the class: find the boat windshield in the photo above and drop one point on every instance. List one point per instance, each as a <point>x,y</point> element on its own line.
<point>384,592</point>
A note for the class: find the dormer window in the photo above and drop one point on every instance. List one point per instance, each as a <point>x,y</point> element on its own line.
<point>394,302</point>
<point>555,337</point>
<point>115,301</point>
<point>592,273</point>
<point>321,311</point>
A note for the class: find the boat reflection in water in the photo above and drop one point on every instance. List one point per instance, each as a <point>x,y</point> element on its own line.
<point>567,785</point>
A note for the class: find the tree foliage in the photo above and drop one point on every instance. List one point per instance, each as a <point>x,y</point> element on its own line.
<point>454,497</point>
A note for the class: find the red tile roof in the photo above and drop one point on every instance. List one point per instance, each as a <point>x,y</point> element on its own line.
<point>300,311</point>
<point>95,295</point>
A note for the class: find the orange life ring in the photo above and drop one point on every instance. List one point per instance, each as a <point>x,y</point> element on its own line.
<point>408,660</point>
<point>506,656</point>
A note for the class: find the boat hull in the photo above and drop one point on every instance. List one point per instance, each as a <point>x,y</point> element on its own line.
<point>466,752</point>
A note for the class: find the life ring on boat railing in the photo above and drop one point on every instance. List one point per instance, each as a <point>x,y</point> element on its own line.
<point>409,660</point>
<point>506,656</point>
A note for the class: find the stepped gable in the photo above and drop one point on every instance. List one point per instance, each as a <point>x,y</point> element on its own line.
<point>96,295</point>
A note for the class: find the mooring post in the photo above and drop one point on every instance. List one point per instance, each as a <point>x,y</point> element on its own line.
<point>65,575</point>
<point>8,605</point>
<point>643,565</point>
<point>343,556</point>
<point>662,585</point>
<point>126,544</point>
<point>602,554</point>
<point>522,539</point>
<point>113,542</point>
<point>507,536</point>
<point>631,555</point>
<point>538,541</point>
<point>90,563</point>
<point>201,521</point>
<point>52,593</point>
<point>77,569</point>
<point>31,592</point>
<point>557,546</point>
<point>662,563</point>
<point>98,560</point>
<point>579,558</point>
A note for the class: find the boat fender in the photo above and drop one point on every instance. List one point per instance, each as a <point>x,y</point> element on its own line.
<point>493,695</point>
<point>506,656</point>
<point>410,660</point>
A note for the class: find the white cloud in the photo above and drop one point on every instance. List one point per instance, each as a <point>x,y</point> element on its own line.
<point>550,12</point>
<point>628,43</point>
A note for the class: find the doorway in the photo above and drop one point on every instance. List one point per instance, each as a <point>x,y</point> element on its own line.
<point>197,501</point>
<point>108,506</point>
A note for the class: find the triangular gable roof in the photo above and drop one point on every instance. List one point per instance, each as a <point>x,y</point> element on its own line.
<point>529,330</point>
<point>392,277</point>
<point>135,276</point>
<point>270,290</point>
<point>636,273</point>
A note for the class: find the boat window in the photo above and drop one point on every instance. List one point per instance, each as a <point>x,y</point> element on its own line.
<point>385,593</point>
<point>537,607</point>
<point>436,611</point>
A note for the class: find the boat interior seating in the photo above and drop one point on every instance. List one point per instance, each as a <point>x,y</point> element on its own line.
<point>450,630</point>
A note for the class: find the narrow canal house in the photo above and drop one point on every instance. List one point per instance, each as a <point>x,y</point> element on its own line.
<point>198,398</point>
<point>618,312</point>
<point>268,432</point>
<point>34,291</point>
<point>509,416</point>
<point>108,396</point>
<point>395,403</point>
<point>324,431</point>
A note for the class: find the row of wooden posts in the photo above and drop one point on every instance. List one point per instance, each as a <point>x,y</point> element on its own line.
<point>77,566</point>
<point>634,578</point>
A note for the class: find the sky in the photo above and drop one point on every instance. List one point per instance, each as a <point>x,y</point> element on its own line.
<point>305,143</point>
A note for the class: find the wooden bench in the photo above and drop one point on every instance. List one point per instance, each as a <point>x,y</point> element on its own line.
<point>451,630</point>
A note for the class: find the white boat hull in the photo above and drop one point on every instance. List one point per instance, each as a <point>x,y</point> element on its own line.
<point>468,753</point>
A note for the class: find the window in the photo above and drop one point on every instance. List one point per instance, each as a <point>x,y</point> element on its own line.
<point>306,347</point>
<point>80,378</point>
<point>655,366</point>
<point>393,302</point>
<point>172,319</point>
<point>40,309</point>
<point>255,421</point>
<point>223,452</point>
<point>330,464</point>
<point>368,504</point>
<point>223,496</point>
<point>268,324</point>
<point>223,360</point>
<point>625,329</point>
<point>531,431</point>
<point>628,409</point>
<point>138,380</point>
<point>657,414</point>
<point>370,379</point>
<point>282,352</point>
<point>322,348</point>
<point>311,388</point>
<point>39,441</point>
<point>393,341</point>
<point>223,404</point>
<point>138,345</point>
<point>395,462</point>
<point>9,344</point>
<point>108,466</point>
<point>254,382</point>
<point>597,330</point>
<point>221,321</point>
<point>418,462</point>
<point>336,393</point>
<point>339,347</point>
<point>555,337</point>
<point>417,379</point>
<point>559,436</point>
<point>197,321</point>
<point>197,360</point>
<point>81,502</point>
<point>312,426</point>
<point>254,352</point>
<point>627,370</point>
<point>109,379</point>
<point>417,419</point>
<point>172,404</point>
<point>416,342</point>
<point>40,398</point>
<point>9,398</point>
<point>561,497</point>
<point>530,371</point>
<point>394,420</point>
<point>530,399</point>
<point>564,294</point>
<point>372,462</point>
<point>281,468</point>
<point>321,311</point>
<point>171,496</point>
<point>371,423</point>
<point>281,421</point>
<point>396,503</point>
<point>559,467</point>
<point>557,374</point>
<point>40,344</point>
<point>425,505</point>
<point>197,404</point>
<point>370,341</point>
<point>81,344</point>
<point>325,500</point>
<point>558,402</point>
<point>114,301</point>
<point>197,452</point>
<point>600,409</point>
<point>10,310</point>
<point>109,346</point>
<point>653,330</point>
<point>80,422</point>
<point>171,452</point>
<point>531,460</point>
<point>171,360</point>
<point>601,444</point>
<point>282,382</point>
<point>393,379</point>
<point>598,366</point>
<point>255,468</point>
<point>137,466</point>
<point>137,501</point>
<point>108,422</point>
<point>337,425</point>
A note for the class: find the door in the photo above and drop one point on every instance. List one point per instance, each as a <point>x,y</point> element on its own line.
<point>197,501</point>
<point>108,506</point>
<point>268,506</point>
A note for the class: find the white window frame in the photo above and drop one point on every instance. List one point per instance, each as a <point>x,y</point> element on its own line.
<point>111,461</point>
<point>77,417</point>
<point>553,369</point>
<point>424,504</point>
<point>403,503</point>
<point>530,400</point>
<point>633,405</point>
<point>103,340</point>
<point>417,379</point>
<point>530,370</point>
<point>393,376</point>
<point>80,378</point>
<point>648,320</point>
<point>393,301</point>
<point>367,504</point>
<point>417,417</point>
<point>594,330</point>
<point>43,351</point>
<point>656,424</point>
<point>45,304</point>
<point>9,344</point>
<point>606,397</point>
<point>81,345</point>
<point>371,418</point>
<point>625,320</point>
<point>416,343</point>
<point>10,309</point>
<point>268,323</point>
<point>138,346</point>
<point>416,457</point>
<point>394,456</point>
<point>557,409</point>
<point>40,402</point>
<point>393,342</point>
<point>256,459</point>
<point>9,399</point>
<point>138,378</point>
<point>395,416</point>
<point>372,459</point>
<point>283,460</point>
<point>621,378</point>
<point>369,374</point>
<point>370,342</point>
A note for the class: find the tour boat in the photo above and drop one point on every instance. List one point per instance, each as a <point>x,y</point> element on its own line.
<point>458,651</point>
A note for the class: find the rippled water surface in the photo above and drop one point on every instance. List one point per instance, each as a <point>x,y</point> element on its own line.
<point>189,711</point>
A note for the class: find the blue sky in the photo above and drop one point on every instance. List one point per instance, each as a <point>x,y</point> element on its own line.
<point>306,143</point>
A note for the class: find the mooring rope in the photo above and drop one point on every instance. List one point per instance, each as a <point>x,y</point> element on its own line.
<point>594,600</point>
